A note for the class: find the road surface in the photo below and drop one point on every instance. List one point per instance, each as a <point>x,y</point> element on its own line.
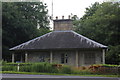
<point>51,77</point>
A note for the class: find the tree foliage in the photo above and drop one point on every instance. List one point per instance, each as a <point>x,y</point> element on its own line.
<point>113,55</point>
<point>20,22</point>
<point>101,23</point>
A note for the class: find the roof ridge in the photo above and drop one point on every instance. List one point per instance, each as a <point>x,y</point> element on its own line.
<point>63,31</point>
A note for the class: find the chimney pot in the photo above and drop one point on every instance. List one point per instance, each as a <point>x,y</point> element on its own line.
<point>62,17</point>
<point>69,17</point>
<point>56,17</point>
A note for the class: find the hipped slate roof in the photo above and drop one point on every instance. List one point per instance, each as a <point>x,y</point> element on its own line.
<point>59,40</point>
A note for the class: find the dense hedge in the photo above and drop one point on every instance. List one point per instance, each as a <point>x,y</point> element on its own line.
<point>58,68</point>
<point>9,68</point>
<point>42,67</point>
<point>36,67</point>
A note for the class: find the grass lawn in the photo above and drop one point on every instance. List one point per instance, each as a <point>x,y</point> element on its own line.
<point>35,73</point>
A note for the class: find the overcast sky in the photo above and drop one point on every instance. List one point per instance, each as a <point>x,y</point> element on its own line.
<point>66,7</point>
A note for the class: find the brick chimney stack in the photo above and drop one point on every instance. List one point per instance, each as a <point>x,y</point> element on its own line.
<point>63,24</point>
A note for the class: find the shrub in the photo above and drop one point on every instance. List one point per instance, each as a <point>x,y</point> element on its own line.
<point>65,69</point>
<point>104,69</point>
<point>48,68</point>
<point>37,67</point>
<point>9,68</point>
<point>25,68</point>
<point>58,68</point>
<point>43,67</point>
<point>3,62</point>
<point>81,70</point>
<point>30,67</point>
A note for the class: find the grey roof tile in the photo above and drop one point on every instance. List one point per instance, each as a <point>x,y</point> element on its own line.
<point>59,40</point>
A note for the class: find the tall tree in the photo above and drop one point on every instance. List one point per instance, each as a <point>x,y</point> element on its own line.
<point>102,25</point>
<point>22,21</point>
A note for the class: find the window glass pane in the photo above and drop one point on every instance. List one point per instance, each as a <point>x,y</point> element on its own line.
<point>62,58</point>
<point>41,58</point>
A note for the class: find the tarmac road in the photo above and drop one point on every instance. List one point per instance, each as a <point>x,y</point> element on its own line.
<point>51,77</point>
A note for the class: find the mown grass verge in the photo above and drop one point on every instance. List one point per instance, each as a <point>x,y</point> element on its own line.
<point>36,73</point>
